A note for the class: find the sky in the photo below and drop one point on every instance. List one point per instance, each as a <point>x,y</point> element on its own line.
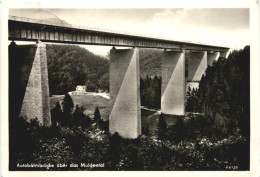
<point>227,27</point>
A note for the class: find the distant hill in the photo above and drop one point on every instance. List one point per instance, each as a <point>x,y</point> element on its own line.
<point>45,15</point>
<point>150,62</point>
<point>56,20</point>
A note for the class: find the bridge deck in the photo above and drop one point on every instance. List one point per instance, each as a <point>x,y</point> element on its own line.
<point>27,29</point>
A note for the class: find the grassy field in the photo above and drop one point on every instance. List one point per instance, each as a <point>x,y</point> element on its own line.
<point>150,119</point>
<point>88,102</point>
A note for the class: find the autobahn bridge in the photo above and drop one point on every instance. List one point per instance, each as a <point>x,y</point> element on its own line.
<point>31,76</point>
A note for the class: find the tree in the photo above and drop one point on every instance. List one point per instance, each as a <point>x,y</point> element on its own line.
<point>115,142</point>
<point>192,102</point>
<point>78,116</point>
<point>97,117</point>
<point>67,106</point>
<point>93,78</point>
<point>56,114</point>
<point>150,89</point>
<point>80,119</point>
<point>103,82</point>
<point>157,89</point>
<point>189,92</point>
<point>90,86</point>
<point>162,127</point>
<point>179,129</point>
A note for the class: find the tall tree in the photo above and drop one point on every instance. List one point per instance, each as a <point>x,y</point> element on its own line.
<point>56,114</point>
<point>179,129</point>
<point>67,106</point>
<point>78,116</point>
<point>97,118</point>
<point>80,119</point>
<point>162,127</point>
<point>97,115</point>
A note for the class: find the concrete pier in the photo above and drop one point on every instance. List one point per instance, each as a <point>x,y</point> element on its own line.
<point>224,54</point>
<point>212,56</point>
<point>197,64</point>
<point>124,86</point>
<point>29,88</point>
<point>173,83</point>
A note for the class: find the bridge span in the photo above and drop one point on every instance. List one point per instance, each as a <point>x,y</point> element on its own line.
<point>27,29</point>
<point>28,70</point>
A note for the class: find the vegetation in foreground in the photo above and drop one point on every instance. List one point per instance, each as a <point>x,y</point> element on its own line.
<point>75,141</point>
<point>79,145</point>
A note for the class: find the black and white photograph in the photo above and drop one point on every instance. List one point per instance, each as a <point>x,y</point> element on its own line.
<point>129,89</point>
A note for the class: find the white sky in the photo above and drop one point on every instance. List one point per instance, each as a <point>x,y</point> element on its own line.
<point>222,26</point>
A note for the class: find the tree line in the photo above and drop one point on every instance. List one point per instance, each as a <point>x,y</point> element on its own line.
<point>224,92</point>
<point>150,91</point>
<point>66,114</point>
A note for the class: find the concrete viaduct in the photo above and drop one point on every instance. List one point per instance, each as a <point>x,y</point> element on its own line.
<point>31,76</point>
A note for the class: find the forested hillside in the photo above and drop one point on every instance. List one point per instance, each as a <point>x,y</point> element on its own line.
<point>71,65</point>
